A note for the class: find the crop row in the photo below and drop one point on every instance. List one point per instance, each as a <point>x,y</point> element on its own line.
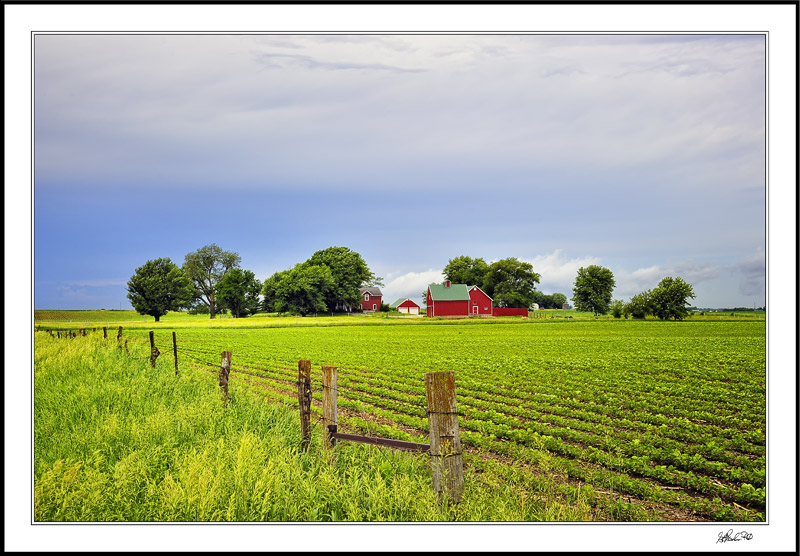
<point>673,412</point>
<point>567,442</point>
<point>523,421</point>
<point>593,446</point>
<point>518,415</point>
<point>603,420</point>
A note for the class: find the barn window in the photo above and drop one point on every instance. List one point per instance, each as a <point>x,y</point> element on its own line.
<point>366,297</point>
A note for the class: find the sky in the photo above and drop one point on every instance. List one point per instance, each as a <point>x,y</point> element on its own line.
<point>644,154</point>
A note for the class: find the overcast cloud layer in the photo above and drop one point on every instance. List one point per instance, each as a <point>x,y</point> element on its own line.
<point>644,154</point>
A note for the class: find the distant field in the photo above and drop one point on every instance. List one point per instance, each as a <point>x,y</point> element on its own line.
<point>650,420</point>
<point>110,316</point>
<point>83,319</point>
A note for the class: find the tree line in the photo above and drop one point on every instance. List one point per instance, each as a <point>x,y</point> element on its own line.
<point>330,280</point>
<point>512,283</point>
<point>211,280</point>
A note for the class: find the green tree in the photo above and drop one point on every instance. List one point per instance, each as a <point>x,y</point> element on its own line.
<point>593,288</point>
<point>269,291</point>
<point>159,286</point>
<point>206,267</point>
<point>618,308</point>
<point>301,290</point>
<point>239,291</point>
<point>549,301</point>
<point>511,283</point>
<point>639,306</point>
<point>348,271</point>
<point>466,270</point>
<point>558,300</point>
<point>670,299</point>
<point>541,298</point>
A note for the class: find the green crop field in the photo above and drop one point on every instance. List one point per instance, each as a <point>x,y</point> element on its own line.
<point>562,419</point>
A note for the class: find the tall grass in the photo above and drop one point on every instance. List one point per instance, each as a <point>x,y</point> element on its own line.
<point>116,440</point>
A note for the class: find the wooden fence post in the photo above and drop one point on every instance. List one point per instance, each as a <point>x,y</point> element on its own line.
<point>154,353</point>
<point>304,397</point>
<point>126,347</point>
<point>105,333</point>
<point>119,334</point>
<point>224,374</point>
<point>175,351</point>
<point>448,471</point>
<point>329,392</point>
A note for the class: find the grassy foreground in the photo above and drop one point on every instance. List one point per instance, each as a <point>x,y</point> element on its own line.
<point>115,440</point>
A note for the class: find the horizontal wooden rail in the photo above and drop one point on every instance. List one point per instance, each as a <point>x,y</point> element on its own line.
<point>400,444</point>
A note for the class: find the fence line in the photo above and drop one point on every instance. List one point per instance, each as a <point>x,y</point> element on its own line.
<point>444,448</point>
<point>197,357</point>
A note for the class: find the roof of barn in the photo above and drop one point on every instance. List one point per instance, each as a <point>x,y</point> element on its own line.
<point>456,292</point>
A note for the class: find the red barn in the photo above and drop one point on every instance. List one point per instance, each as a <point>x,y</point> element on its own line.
<point>371,299</point>
<point>457,300</point>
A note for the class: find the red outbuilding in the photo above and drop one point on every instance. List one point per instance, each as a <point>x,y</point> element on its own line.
<point>406,305</point>
<point>371,299</point>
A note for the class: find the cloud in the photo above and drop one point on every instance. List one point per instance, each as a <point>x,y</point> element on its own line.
<point>191,110</point>
<point>411,284</point>
<point>557,272</point>
<point>270,60</point>
<point>641,279</point>
<point>753,273</point>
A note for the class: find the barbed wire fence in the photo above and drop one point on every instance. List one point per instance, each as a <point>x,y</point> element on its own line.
<point>444,448</point>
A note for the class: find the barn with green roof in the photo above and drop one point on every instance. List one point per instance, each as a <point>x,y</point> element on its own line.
<point>457,300</point>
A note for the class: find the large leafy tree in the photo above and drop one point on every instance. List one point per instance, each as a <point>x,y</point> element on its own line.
<point>159,286</point>
<point>269,291</point>
<point>511,283</point>
<point>593,288</point>
<point>239,291</point>
<point>466,270</point>
<point>299,290</point>
<point>348,271</point>
<point>670,298</point>
<point>205,268</point>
